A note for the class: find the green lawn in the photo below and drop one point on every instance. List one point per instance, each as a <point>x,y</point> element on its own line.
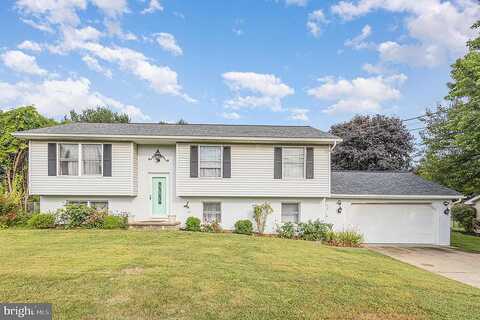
<point>101,274</point>
<point>465,242</point>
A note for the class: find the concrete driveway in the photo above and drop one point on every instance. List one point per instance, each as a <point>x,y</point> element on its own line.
<point>445,261</point>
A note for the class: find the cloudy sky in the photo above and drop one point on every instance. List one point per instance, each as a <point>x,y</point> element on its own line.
<point>310,62</point>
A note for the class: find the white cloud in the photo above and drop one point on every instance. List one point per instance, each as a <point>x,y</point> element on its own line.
<point>21,62</point>
<point>299,114</point>
<point>168,43</point>
<point>112,8</point>
<point>300,3</point>
<point>315,20</point>
<point>30,45</point>
<point>153,6</point>
<point>231,115</point>
<point>57,97</point>
<point>55,12</point>
<point>263,90</point>
<point>359,94</point>
<point>37,25</point>
<point>439,29</point>
<point>359,41</point>
<point>115,29</point>
<point>374,68</point>
<point>94,65</point>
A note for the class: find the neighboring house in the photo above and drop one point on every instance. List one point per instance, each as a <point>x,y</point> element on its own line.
<point>170,172</point>
<point>475,202</point>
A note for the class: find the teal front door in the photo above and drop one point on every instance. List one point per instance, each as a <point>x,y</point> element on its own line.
<point>159,196</point>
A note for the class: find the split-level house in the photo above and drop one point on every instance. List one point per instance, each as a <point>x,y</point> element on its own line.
<point>168,172</point>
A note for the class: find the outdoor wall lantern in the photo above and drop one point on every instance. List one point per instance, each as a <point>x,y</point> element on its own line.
<point>157,156</point>
<point>187,205</point>
<point>447,209</point>
<point>339,203</point>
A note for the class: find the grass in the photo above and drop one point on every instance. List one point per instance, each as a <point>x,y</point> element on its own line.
<point>100,274</point>
<point>465,241</point>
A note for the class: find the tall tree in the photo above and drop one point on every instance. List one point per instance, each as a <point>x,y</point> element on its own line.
<point>98,115</point>
<point>14,151</point>
<point>452,135</point>
<point>372,143</point>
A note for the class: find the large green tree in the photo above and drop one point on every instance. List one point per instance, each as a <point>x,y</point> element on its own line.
<point>98,115</point>
<point>14,151</point>
<point>452,135</point>
<point>372,143</point>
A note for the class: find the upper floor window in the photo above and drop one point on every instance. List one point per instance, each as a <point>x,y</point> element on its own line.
<point>68,160</point>
<point>210,161</point>
<point>293,159</point>
<point>91,159</point>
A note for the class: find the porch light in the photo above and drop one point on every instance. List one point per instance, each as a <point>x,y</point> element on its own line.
<point>157,156</point>
<point>339,203</point>
<point>447,209</point>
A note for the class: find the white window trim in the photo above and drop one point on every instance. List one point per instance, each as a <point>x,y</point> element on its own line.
<point>211,201</point>
<point>200,160</point>
<point>80,163</point>
<point>292,202</point>
<point>304,163</point>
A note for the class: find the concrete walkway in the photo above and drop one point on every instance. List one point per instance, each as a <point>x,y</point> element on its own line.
<point>445,261</point>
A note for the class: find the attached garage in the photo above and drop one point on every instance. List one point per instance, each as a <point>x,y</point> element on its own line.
<point>391,207</point>
<point>394,222</point>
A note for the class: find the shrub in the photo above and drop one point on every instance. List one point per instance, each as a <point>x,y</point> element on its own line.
<point>313,231</point>
<point>96,219</point>
<point>244,227</point>
<point>192,224</point>
<point>41,221</point>
<point>9,209</point>
<point>464,215</point>
<point>287,230</point>
<point>346,238</point>
<point>212,227</point>
<point>75,215</point>
<point>260,214</point>
<point>115,222</point>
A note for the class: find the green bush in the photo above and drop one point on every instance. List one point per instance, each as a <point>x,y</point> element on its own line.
<point>115,222</point>
<point>313,231</point>
<point>75,215</point>
<point>96,219</point>
<point>192,224</point>
<point>213,227</point>
<point>464,215</point>
<point>41,221</point>
<point>287,230</point>
<point>244,227</point>
<point>9,209</point>
<point>346,238</point>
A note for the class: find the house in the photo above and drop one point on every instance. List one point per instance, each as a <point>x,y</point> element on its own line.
<point>475,202</point>
<point>168,172</point>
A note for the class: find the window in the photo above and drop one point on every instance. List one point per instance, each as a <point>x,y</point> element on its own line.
<point>96,204</point>
<point>293,160</point>
<point>290,212</point>
<point>91,159</point>
<point>211,161</point>
<point>212,212</point>
<point>68,160</point>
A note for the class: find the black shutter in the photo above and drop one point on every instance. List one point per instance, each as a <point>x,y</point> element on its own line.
<point>52,159</point>
<point>193,161</point>
<point>277,163</point>
<point>309,163</point>
<point>227,167</point>
<point>107,160</point>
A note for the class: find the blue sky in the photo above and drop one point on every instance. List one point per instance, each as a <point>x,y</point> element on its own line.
<point>257,61</point>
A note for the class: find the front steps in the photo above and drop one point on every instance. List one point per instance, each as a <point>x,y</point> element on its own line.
<point>155,224</point>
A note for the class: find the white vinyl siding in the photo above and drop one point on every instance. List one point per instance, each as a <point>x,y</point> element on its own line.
<point>120,183</point>
<point>212,211</point>
<point>210,161</point>
<point>290,212</point>
<point>252,175</point>
<point>293,161</point>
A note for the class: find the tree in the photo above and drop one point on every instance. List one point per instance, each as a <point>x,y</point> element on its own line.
<point>14,151</point>
<point>98,115</point>
<point>452,134</point>
<point>181,121</point>
<point>372,143</point>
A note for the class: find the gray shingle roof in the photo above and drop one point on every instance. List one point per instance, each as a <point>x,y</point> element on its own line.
<point>195,130</point>
<point>385,183</point>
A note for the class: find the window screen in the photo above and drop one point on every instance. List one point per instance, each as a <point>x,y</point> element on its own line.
<point>92,159</point>
<point>212,212</point>
<point>68,160</point>
<point>293,162</point>
<point>290,212</point>
<point>210,161</point>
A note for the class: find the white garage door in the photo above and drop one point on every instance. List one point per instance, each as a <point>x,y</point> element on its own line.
<point>393,222</point>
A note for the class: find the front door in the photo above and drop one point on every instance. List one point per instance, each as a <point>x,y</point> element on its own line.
<point>159,196</point>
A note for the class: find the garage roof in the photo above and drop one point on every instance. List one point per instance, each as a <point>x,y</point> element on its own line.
<point>392,183</point>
